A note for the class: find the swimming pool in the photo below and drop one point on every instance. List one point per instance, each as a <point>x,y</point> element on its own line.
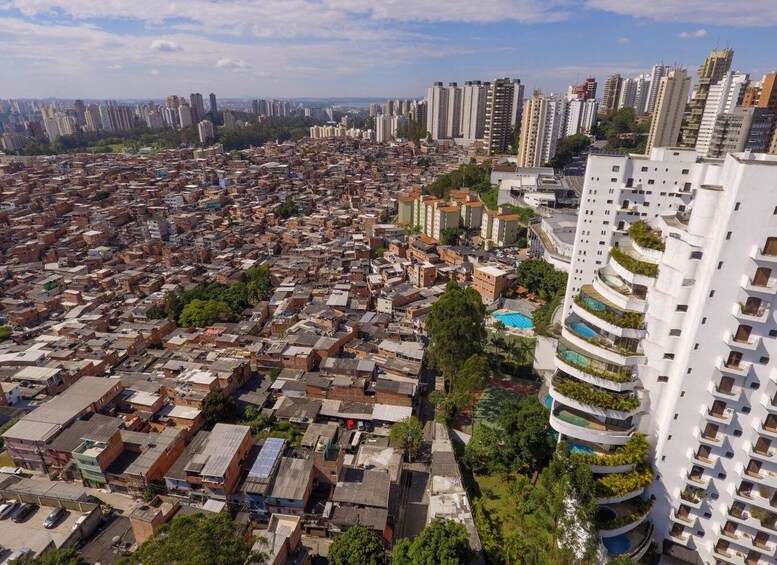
<point>514,320</point>
<point>548,401</point>
<point>583,330</point>
<point>580,448</point>
<point>575,357</point>
<point>617,545</point>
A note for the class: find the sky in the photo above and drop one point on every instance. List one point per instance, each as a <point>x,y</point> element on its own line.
<point>359,48</point>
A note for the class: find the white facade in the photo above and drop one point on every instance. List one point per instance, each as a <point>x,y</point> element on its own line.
<point>722,98</point>
<point>675,336</point>
<point>670,106</point>
<point>437,111</point>
<point>473,109</point>
<point>659,71</point>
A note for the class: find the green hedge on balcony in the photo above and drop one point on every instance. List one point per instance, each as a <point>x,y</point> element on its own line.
<point>631,320</point>
<point>635,266</point>
<point>620,377</point>
<point>632,452</point>
<point>620,484</point>
<point>645,237</point>
<point>589,394</point>
<point>631,517</point>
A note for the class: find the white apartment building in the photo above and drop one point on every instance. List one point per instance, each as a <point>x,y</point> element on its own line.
<point>473,109</point>
<point>437,111</point>
<point>668,330</point>
<point>670,106</point>
<point>722,98</point>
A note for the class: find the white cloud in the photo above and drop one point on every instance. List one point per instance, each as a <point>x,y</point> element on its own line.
<point>753,13</point>
<point>235,65</point>
<point>698,34</point>
<point>623,41</point>
<point>164,46</point>
<point>154,72</point>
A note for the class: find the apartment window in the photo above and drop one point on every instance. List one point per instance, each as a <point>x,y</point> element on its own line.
<point>685,171</point>
<point>728,455</point>
<point>675,416</point>
<point>668,355</point>
<point>644,169</point>
<point>736,206</point>
<point>675,332</point>
<point>616,168</point>
<point>720,265</point>
<point>703,321</point>
<point>609,202</point>
<point>737,433</point>
<point>712,293</point>
<point>613,179</point>
<point>772,333</point>
<point>696,255</point>
<point>728,236</point>
<point>775,211</point>
<point>745,410</point>
<point>663,379</point>
<point>696,347</point>
<point>755,385</point>
<point>651,181</point>
<point>763,360</point>
<point>682,308</point>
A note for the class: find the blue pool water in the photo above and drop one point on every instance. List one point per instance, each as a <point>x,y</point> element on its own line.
<point>593,304</point>
<point>514,320</point>
<point>582,330</point>
<point>580,448</point>
<point>575,357</point>
<point>617,545</point>
<point>548,401</point>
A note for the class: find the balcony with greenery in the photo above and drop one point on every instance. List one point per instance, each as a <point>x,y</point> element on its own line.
<point>645,236</point>
<point>627,513</point>
<point>634,265</point>
<point>611,315</point>
<point>585,393</point>
<point>621,346</point>
<point>633,452</point>
<point>593,367</point>
<point>625,483</point>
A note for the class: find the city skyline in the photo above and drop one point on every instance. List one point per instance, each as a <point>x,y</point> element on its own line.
<point>340,48</point>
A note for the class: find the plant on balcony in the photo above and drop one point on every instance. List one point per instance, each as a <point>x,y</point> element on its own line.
<point>638,513</point>
<point>631,320</point>
<point>616,377</point>
<point>589,394</point>
<point>621,484</point>
<point>634,265</point>
<point>692,494</point>
<point>644,236</point>
<point>634,451</point>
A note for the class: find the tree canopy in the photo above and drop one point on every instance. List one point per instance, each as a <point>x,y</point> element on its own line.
<point>61,556</point>
<point>442,542</point>
<point>196,539</point>
<point>357,545</point>
<point>469,175</point>
<point>569,147</point>
<point>408,433</point>
<point>5,332</point>
<point>450,235</point>
<point>202,313</point>
<point>541,278</point>
<point>456,326</point>
<point>216,407</point>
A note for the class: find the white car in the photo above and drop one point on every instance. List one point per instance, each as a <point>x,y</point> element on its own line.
<point>7,507</point>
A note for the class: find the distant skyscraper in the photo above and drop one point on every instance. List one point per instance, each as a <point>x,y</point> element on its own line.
<point>229,120</point>
<point>437,111</point>
<point>641,93</point>
<point>722,98</point>
<point>612,87</point>
<point>670,105</point>
<point>80,109</point>
<point>453,126</point>
<point>659,71</point>
<point>383,128</point>
<point>197,106</point>
<point>740,130</point>
<point>710,72</point>
<point>587,90</point>
<point>213,105</point>
<point>540,125</point>
<point>205,129</point>
<point>184,115</point>
<point>503,112</point>
<point>628,93</point>
<point>473,109</point>
<point>768,99</point>
<point>577,116</point>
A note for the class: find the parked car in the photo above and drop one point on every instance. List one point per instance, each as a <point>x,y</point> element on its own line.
<point>81,519</point>
<point>18,555</point>
<point>12,470</point>
<point>53,517</point>
<point>23,511</point>
<point>7,508</point>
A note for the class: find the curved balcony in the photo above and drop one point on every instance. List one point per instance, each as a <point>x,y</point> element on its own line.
<point>592,371</point>
<point>628,275</point>
<point>580,425</point>
<point>612,287</point>
<point>614,499</point>
<point>588,406</point>
<point>645,254</point>
<point>595,308</point>
<point>620,518</point>
<point>639,540</point>
<point>601,347</point>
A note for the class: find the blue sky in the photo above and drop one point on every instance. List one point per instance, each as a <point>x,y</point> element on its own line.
<point>312,48</point>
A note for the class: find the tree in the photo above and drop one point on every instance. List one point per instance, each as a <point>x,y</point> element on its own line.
<point>202,313</point>
<point>541,278</point>
<point>470,380</point>
<point>528,441</point>
<point>456,325</point>
<point>287,209</point>
<point>216,407</point>
<point>259,285</point>
<point>482,453</point>
<point>196,539</point>
<point>5,332</point>
<point>409,433</point>
<point>442,542</point>
<point>62,556</point>
<point>357,545</point>
<point>567,148</point>
<point>450,235</point>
